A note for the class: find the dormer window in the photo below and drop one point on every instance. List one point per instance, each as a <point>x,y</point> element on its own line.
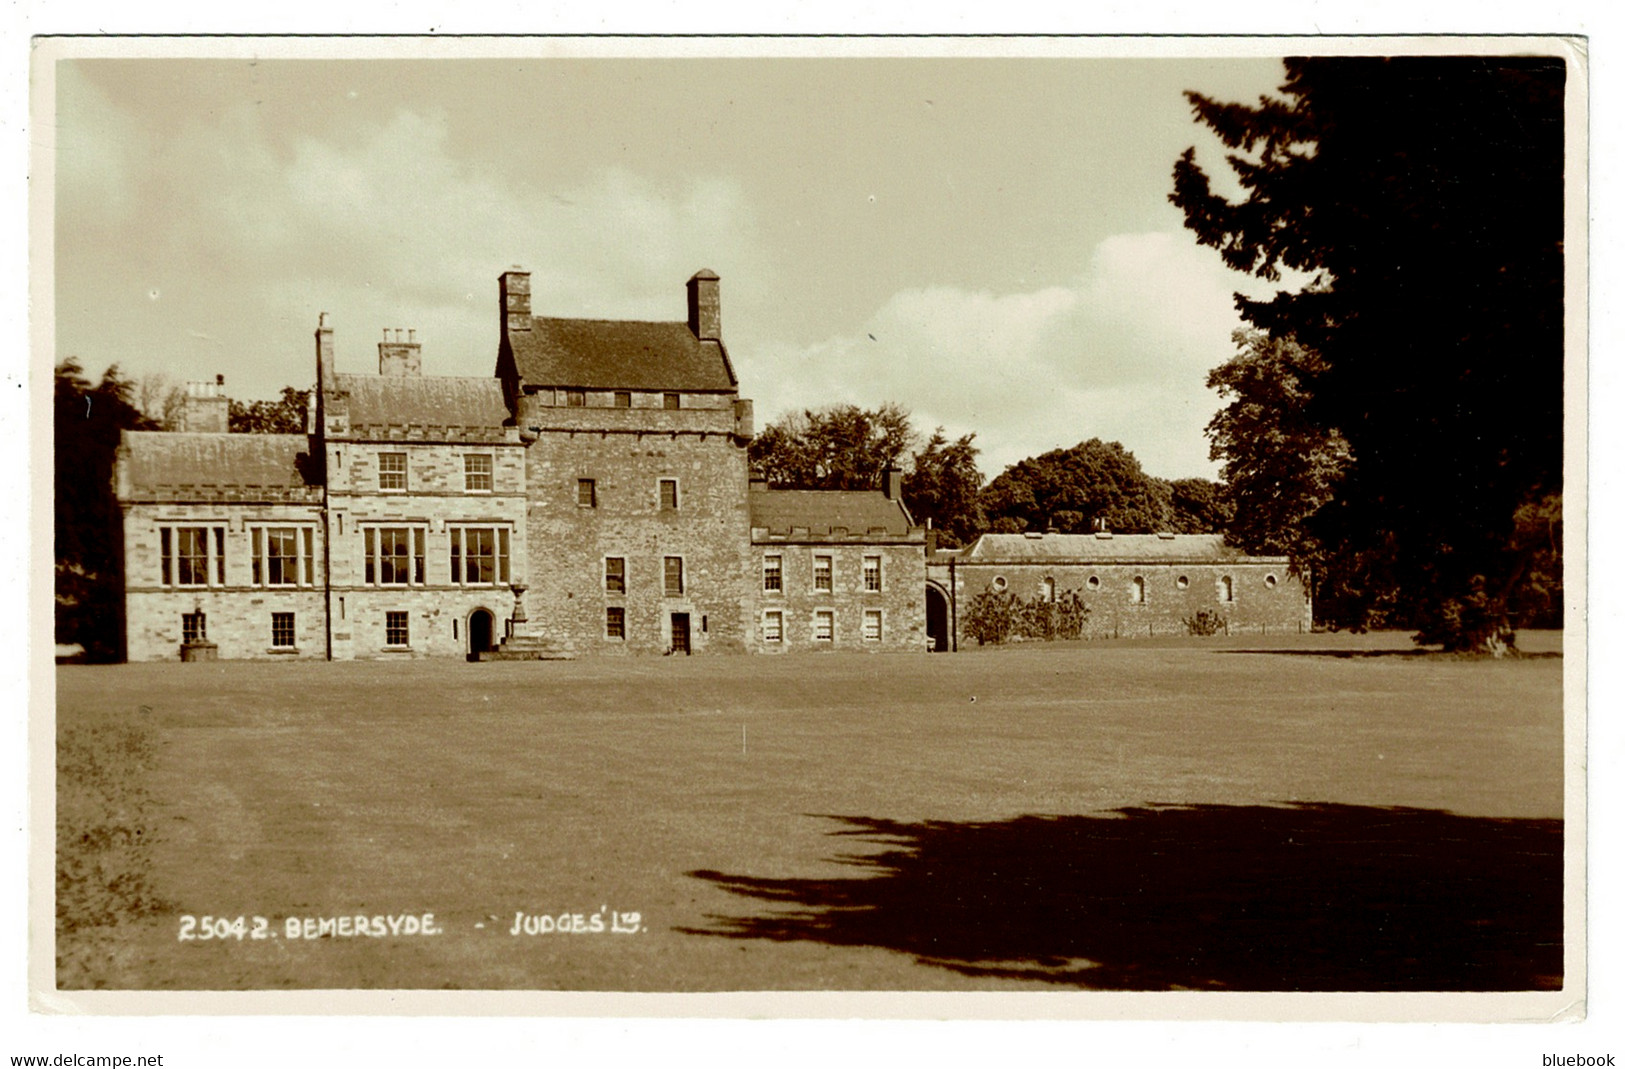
<point>673,401</point>
<point>575,398</point>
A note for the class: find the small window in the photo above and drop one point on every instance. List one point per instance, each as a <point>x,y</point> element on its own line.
<point>824,625</point>
<point>871,574</point>
<point>1270,581</point>
<point>773,574</point>
<point>392,471</point>
<point>773,626</point>
<point>587,493</point>
<point>823,574</point>
<point>623,398</point>
<point>1046,589</point>
<point>674,576</point>
<point>575,398</point>
<point>396,630</point>
<point>672,402</point>
<point>1227,589</point>
<point>282,630</point>
<point>194,628</point>
<point>477,473</point>
<point>871,625</point>
<point>1183,582</point>
<point>1000,584</point>
<point>668,494</point>
<point>1136,590</point>
<point>615,622</point>
<point>614,575</point>
<point>1093,583</point>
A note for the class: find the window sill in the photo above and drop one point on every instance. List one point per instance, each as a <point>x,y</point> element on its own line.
<point>283,651</point>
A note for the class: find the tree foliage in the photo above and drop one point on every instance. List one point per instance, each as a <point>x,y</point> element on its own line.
<point>1422,199</point>
<point>945,488</point>
<point>87,422</point>
<point>1197,506</point>
<point>286,415</point>
<point>1279,465</point>
<point>1070,490</point>
<point>842,447</point>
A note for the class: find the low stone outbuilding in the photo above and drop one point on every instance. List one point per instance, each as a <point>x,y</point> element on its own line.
<point>1134,585</point>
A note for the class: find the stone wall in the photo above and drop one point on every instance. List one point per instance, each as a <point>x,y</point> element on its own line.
<point>900,601</point>
<point>237,611</point>
<point>435,502</point>
<point>431,468</point>
<point>626,453</point>
<point>1261,598</point>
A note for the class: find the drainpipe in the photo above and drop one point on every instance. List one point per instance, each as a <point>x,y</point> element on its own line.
<point>953,606</point>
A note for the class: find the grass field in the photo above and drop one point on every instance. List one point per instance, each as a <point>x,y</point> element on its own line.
<point>1316,812</point>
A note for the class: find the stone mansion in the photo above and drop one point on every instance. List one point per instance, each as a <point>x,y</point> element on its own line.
<point>592,496</point>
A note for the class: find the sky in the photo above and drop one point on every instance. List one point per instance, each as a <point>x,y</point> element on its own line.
<point>985,241</point>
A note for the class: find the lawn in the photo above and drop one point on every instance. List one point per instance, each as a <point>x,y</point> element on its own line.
<point>1307,812</point>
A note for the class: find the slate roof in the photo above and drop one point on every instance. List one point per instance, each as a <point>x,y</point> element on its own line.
<point>438,400</point>
<point>1119,548</point>
<point>164,465</point>
<point>611,354</point>
<point>860,512</point>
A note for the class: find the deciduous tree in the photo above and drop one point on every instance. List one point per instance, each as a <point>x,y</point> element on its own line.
<point>842,447</point>
<point>1071,490</point>
<point>88,421</point>
<point>286,415</point>
<point>945,486</point>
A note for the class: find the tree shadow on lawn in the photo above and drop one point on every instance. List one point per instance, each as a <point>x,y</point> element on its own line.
<point>1511,655</point>
<point>1313,897</point>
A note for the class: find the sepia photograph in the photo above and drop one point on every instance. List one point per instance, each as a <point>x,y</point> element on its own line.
<point>1034,520</point>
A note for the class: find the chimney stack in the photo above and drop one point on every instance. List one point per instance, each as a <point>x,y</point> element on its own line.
<point>891,480</point>
<point>205,408</point>
<point>397,357</point>
<point>705,305</point>
<point>515,292</point>
<point>324,355</point>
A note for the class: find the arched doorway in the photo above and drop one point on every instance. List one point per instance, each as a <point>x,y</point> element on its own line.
<point>936,618</point>
<point>480,623</point>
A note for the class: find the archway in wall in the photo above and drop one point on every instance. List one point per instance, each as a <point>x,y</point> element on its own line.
<point>480,624</point>
<point>936,618</point>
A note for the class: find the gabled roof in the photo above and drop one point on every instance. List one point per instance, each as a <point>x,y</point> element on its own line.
<point>820,512</point>
<point>169,466</point>
<point>1116,548</point>
<point>377,401</point>
<point>609,354</point>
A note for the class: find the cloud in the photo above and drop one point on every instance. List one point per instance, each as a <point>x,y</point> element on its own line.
<point>1121,353</point>
<point>384,225</point>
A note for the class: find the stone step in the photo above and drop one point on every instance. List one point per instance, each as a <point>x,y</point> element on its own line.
<point>528,648</point>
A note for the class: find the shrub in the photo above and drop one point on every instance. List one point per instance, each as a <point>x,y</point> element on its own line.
<point>991,616</point>
<point>996,616</point>
<point>1205,623</point>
